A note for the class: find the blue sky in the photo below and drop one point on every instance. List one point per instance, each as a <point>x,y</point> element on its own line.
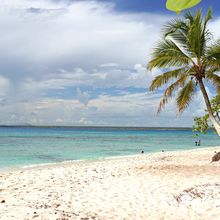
<point>84,63</point>
<point>157,6</point>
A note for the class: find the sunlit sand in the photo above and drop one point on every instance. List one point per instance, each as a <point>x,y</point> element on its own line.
<point>169,185</point>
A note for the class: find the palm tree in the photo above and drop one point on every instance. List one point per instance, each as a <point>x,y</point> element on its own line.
<point>189,57</point>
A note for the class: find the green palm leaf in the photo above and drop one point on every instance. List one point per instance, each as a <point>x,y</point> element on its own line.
<point>177,30</point>
<point>185,95</point>
<point>165,78</point>
<point>212,58</point>
<point>169,91</point>
<point>168,54</point>
<point>215,80</point>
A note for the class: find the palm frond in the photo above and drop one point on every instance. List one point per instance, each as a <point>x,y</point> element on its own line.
<point>176,30</point>
<point>190,33</point>
<point>188,16</point>
<point>169,91</point>
<point>208,17</point>
<point>215,80</point>
<point>207,35</point>
<point>164,78</point>
<point>185,95</point>
<point>168,54</point>
<point>195,39</point>
<point>212,58</point>
<point>174,26</point>
<point>198,35</point>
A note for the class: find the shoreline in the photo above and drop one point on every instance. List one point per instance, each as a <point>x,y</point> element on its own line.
<point>172,185</point>
<point>88,161</point>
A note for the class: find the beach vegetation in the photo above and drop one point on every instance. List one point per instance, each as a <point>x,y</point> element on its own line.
<point>202,123</point>
<point>189,57</point>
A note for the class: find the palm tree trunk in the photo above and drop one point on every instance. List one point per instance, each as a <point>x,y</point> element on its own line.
<point>208,106</point>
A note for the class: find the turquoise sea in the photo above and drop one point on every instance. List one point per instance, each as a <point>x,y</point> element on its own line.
<point>25,146</point>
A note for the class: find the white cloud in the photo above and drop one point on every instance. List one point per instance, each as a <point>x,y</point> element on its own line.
<point>212,25</point>
<point>4,85</point>
<point>130,109</point>
<point>83,46</point>
<point>109,65</point>
<point>83,34</point>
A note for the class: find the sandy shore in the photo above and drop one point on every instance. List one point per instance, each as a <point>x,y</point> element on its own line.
<point>170,185</point>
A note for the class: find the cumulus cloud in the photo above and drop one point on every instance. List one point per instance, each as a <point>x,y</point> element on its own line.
<point>78,62</point>
<point>130,109</point>
<point>80,34</point>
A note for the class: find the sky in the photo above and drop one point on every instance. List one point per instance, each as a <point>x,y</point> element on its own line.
<point>83,63</point>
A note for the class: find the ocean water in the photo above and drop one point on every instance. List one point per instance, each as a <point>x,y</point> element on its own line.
<point>25,146</point>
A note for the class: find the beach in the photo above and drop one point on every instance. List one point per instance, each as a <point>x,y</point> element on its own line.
<point>165,185</point>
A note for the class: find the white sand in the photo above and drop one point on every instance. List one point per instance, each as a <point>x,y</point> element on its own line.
<point>170,185</point>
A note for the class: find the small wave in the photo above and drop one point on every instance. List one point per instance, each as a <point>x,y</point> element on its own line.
<point>37,165</point>
<point>51,164</point>
<point>118,157</point>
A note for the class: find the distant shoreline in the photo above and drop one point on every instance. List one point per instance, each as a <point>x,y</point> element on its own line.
<point>99,127</point>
